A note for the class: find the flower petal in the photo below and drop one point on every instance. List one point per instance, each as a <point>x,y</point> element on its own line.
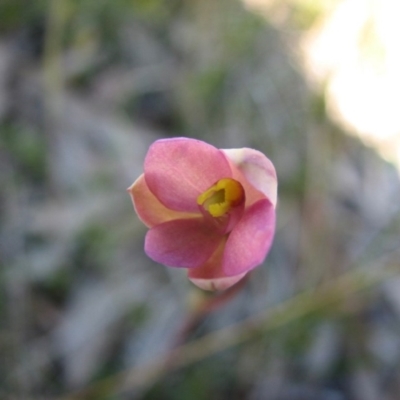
<point>180,169</point>
<point>250,240</point>
<point>184,243</point>
<point>257,170</point>
<point>210,275</point>
<point>150,211</point>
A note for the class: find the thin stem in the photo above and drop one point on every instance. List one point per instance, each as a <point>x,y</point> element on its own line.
<point>206,306</point>
<point>327,295</point>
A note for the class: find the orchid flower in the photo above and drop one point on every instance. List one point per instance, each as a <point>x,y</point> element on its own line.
<point>209,210</point>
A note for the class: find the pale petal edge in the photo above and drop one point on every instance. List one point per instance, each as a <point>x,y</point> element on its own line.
<point>149,209</point>
<point>216,284</point>
<point>257,169</point>
<point>210,275</point>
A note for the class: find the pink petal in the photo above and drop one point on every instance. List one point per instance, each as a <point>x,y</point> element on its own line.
<point>184,243</point>
<point>150,211</point>
<point>178,170</point>
<point>250,240</point>
<point>257,169</point>
<point>210,275</point>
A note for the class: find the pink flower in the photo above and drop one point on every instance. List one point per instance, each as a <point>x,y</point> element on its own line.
<point>211,211</point>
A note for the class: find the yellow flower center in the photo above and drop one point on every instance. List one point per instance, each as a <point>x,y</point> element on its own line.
<point>221,197</point>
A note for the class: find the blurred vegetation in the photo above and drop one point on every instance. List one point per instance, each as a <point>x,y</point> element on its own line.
<point>86,87</point>
<point>26,153</point>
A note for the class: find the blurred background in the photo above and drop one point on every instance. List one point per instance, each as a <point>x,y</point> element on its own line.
<point>87,85</point>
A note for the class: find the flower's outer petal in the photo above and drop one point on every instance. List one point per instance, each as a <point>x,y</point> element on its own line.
<point>257,170</point>
<point>150,211</point>
<point>178,170</point>
<point>185,243</point>
<point>250,240</point>
<point>210,275</point>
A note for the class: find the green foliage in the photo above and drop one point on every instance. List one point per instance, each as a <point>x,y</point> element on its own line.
<point>26,151</point>
<point>209,85</point>
<point>92,249</point>
<point>20,13</point>
<point>305,14</point>
<point>56,287</point>
<point>138,315</point>
<point>240,34</point>
<point>208,379</point>
<point>105,18</point>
